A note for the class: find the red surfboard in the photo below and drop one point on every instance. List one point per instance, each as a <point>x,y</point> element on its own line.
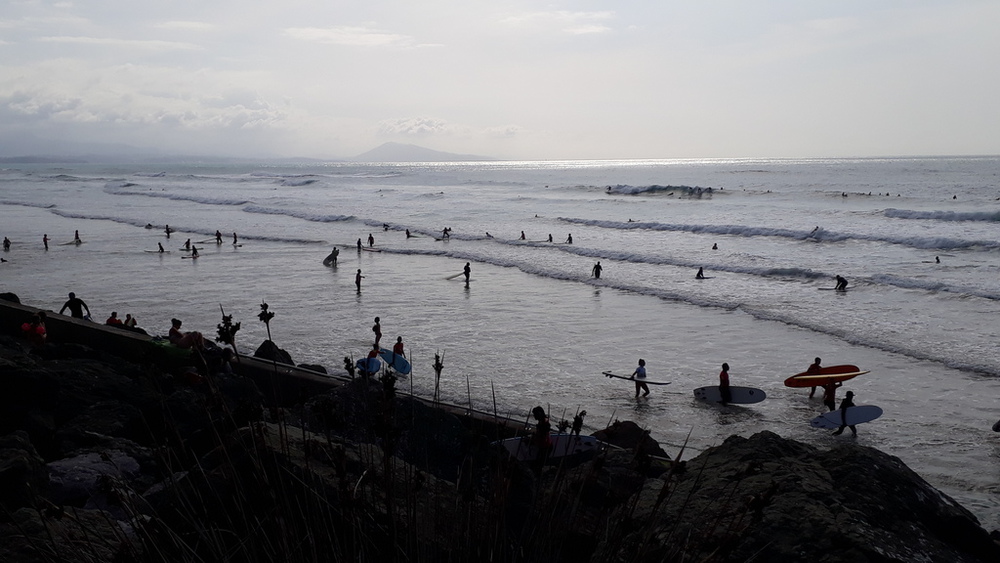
<point>825,375</point>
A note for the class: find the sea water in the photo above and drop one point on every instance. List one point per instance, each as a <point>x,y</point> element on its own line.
<point>917,238</point>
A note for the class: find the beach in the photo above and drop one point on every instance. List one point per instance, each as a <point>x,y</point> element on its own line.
<point>533,327</point>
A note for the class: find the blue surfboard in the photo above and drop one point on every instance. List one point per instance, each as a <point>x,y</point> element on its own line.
<point>397,363</point>
<point>369,366</point>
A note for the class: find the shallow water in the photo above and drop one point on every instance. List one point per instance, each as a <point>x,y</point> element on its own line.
<point>534,327</point>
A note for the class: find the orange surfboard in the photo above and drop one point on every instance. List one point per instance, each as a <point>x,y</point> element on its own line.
<point>825,375</point>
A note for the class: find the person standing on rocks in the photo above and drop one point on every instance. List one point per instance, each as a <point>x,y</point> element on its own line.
<point>76,306</point>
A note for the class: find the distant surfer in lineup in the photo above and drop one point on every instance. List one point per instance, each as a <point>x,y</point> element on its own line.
<point>814,369</point>
<point>332,258</point>
<point>218,237</point>
<point>467,270</point>
<point>187,244</point>
<point>700,275</point>
<point>357,278</point>
<point>522,235</point>
<point>937,259</point>
<point>569,239</point>
<point>371,240</point>
<point>377,329</point>
<point>847,403</point>
<point>724,390</point>
<point>550,237</point>
<point>76,237</point>
<point>359,245</point>
<point>841,283</point>
<point>235,239</point>
<point>408,235</point>
<point>446,232</point>
<point>715,246</point>
<point>194,252</point>
<point>6,243</point>
<point>161,251</point>
<point>168,230</point>
<point>488,235</point>
<point>639,375</point>
<point>597,270</point>
<point>45,241</point>
<point>385,227</point>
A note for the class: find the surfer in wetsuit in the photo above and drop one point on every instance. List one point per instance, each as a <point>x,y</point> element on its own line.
<point>397,349</point>
<point>467,270</point>
<point>724,390</point>
<point>45,241</point>
<point>235,240</point>
<point>357,278</point>
<point>75,306</point>
<point>522,235</point>
<point>408,235</point>
<point>550,237</point>
<point>830,395</point>
<point>359,245</point>
<point>187,244</point>
<point>76,237</point>
<point>597,270</point>
<point>814,369</point>
<point>168,230</point>
<point>6,243</point>
<point>700,275</point>
<point>218,237</point>
<point>377,329</point>
<point>371,240</point>
<point>639,375</point>
<point>540,439</point>
<point>161,251</point>
<point>844,405</point>
<point>569,239</point>
<point>841,284</point>
<point>194,252</point>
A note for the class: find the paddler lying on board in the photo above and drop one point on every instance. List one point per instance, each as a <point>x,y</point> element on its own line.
<point>639,375</point>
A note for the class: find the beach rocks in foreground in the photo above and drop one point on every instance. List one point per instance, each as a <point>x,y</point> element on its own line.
<point>101,459</point>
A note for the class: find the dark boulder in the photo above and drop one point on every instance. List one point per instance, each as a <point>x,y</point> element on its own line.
<point>268,350</point>
<point>7,296</point>
<point>628,435</point>
<point>22,472</point>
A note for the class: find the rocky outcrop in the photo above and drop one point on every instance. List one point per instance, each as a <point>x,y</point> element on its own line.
<point>268,350</point>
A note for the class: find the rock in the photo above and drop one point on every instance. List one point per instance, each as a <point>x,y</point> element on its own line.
<point>268,350</point>
<point>23,474</point>
<point>75,480</point>
<point>7,296</point>
<point>771,499</point>
<point>628,435</point>
<point>313,367</point>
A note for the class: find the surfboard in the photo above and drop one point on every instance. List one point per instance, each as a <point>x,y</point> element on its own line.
<point>191,257</point>
<point>739,395</point>
<point>825,375</point>
<point>237,245</point>
<point>77,242</point>
<point>855,415</point>
<point>831,289</point>
<point>330,259</point>
<point>563,445</point>
<point>397,363</point>
<point>157,251</point>
<point>369,366</point>
<point>370,249</point>
<point>706,278</point>
<point>647,381</point>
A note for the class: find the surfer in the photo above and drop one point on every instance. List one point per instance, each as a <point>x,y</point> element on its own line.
<point>550,237</point>
<point>408,235</point>
<point>597,270</point>
<point>161,251</point>
<point>357,278</point>
<point>187,244</point>
<point>715,246</point>
<point>467,270</point>
<point>235,240</point>
<point>847,403</point>
<point>184,339</point>
<point>371,240</point>
<point>168,230</point>
<point>76,237</point>
<point>446,232</point>
<point>639,375</point>
<point>194,252</point>
<point>218,237</point>
<point>332,258</point>
<point>488,235</point>
<point>397,349</point>
<point>522,235</point>
<point>700,275</point>
<point>724,390</point>
<point>569,239</point>
<point>75,306</point>
<point>385,227</point>
<point>830,395</point>
<point>540,439</point>
<point>377,329</point>
<point>937,259</point>
<point>6,243</point>
<point>841,283</point>
<point>359,245</point>
<point>814,369</point>
<point>45,241</point>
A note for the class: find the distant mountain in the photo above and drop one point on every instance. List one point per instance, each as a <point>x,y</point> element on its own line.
<point>401,152</point>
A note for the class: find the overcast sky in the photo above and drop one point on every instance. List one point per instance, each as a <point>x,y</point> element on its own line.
<point>509,79</point>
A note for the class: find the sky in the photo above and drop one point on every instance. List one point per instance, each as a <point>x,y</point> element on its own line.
<point>524,80</point>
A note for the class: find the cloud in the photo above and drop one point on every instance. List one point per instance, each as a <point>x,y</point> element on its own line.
<point>504,131</point>
<point>350,36</point>
<point>150,44</point>
<point>186,25</point>
<point>414,127</point>
<point>573,23</point>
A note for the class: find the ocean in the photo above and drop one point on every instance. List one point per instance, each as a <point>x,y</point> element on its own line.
<point>918,239</point>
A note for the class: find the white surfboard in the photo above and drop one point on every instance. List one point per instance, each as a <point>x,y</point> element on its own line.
<point>738,395</point>
<point>855,415</point>
<point>562,445</point>
<point>647,381</point>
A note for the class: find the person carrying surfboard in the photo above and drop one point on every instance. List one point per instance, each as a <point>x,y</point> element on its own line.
<point>830,395</point>
<point>639,375</point>
<point>814,369</point>
<point>847,403</point>
<point>467,270</point>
